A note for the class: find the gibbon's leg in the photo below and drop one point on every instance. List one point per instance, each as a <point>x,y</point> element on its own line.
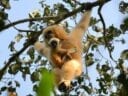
<point>42,49</point>
<point>69,71</point>
<point>57,74</point>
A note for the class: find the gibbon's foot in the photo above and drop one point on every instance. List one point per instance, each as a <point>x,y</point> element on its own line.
<point>63,88</point>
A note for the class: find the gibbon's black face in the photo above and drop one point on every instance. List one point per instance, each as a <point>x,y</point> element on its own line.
<point>51,40</point>
<point>54,43</point>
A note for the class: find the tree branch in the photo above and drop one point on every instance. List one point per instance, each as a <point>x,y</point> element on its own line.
<point>20,30</point>
<point>14,56</point>
<point>27,20</point>
<point>104,31</point>
<point>85,6</point>
<point>33,39</point>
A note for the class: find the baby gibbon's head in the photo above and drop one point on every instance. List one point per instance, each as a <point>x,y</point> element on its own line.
<point>53,35</point>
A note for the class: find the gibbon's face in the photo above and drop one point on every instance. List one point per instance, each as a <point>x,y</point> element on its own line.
<point>53,35</point>
<point>51,39</point>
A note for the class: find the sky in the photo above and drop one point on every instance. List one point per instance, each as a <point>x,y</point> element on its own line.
<point>20,10</point>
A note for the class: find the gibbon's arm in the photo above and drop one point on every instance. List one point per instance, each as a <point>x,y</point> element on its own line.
<point>41,48</point>
<point>82,26</point>
<point>66,54</point>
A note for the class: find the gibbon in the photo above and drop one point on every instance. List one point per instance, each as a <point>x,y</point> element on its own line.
<point>57,54</point>
<point>64,51</point>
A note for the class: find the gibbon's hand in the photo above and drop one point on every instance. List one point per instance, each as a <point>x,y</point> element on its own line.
<point>87,6</point>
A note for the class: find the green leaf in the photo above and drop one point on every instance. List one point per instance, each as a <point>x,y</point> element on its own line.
<point>25,70</point>
<point>3,88</point>
<point>5,4</point>
<point>124,55</point>
<point>93,21</point>
<point>46,84</point>
<point>124,26</point>
<point>17,84</point>
<point>89,59</point>
<point>35,87</point>
<point>10,83</point>
<point>35,14</point>
<point>107,77</point>
<point>87,89</point>
<point>18,37</point>
<point>38,59</point>
<point>30,52</point>
<point>70,2</point>
<point>11,46</point>
<point>47,11</point>
<point>35,76</point>
<point>80,79</point>
<point>3,15</point>
<point>2,23</point>
<point>61,9</point>
<point>14,68</point>
<point>105,67</point>
<point>123,6</point>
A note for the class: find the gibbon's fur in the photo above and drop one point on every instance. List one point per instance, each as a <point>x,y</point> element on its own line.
<point>64,50</point>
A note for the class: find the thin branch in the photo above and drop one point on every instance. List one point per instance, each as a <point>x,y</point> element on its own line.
<point>20,30</point>
<point>33,39</point>
<point>58,19</point>
<point>104,31</point>
<point>27,20</point>
<point>85,6</point>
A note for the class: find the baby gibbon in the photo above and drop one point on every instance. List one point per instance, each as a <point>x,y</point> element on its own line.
<point>64,50</point>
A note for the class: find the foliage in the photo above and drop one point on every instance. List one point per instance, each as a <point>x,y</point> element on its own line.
<point>96,55</point>
<point>46,83</point>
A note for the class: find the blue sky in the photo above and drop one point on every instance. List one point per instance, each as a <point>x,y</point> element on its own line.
<point>20,10</point>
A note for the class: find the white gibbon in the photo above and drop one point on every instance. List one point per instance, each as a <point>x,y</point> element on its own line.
<point>64,50</point>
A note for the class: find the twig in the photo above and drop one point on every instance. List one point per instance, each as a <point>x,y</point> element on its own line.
<point>104,31</point>
<point>57,18</point>
<point>27,20</point>
<point>26,31</point>
<point>20,30</point>
<point>84,6</point>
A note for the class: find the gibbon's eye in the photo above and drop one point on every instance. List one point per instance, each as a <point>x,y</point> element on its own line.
<point>48,35</point>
